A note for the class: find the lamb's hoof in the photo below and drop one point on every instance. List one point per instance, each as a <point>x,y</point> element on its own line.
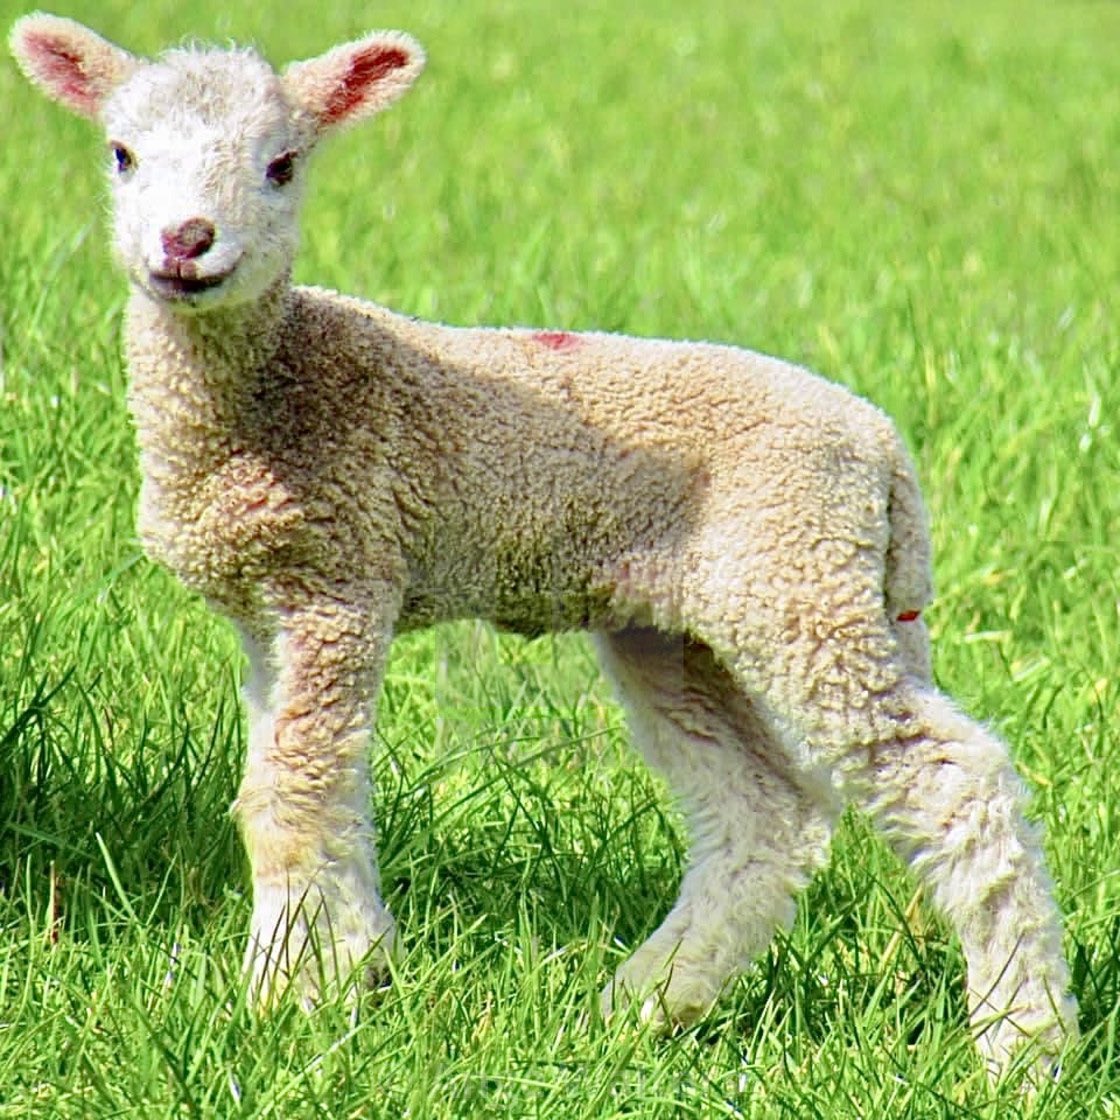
<point>315,950</point>
<point>664,1003</point>
<point>1034,1056</point>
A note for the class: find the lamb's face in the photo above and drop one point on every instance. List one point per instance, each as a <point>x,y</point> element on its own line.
<point>205,159</point>
<point>206,147</point>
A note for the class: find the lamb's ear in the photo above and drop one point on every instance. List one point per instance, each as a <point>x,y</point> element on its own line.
<point>69,62</point>
<point>354,80</point>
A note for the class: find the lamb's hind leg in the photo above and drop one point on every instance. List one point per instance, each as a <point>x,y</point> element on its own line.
<point>856,700</point>
<point>757,832</point>
<point>950,802</point>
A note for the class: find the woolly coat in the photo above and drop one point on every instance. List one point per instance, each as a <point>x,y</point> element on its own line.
<point>542,480</point>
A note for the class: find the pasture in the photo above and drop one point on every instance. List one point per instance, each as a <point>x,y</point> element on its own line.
<point>921,204</point>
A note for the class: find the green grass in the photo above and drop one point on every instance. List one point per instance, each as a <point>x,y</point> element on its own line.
<point>920,203</point>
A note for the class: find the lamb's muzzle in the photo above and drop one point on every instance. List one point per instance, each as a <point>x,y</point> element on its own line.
<point>188,241</point>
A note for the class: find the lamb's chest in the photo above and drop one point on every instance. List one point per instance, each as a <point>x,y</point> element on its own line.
<point>219,529</point>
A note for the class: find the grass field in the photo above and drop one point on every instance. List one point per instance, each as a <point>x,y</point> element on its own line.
<point>920,203</point>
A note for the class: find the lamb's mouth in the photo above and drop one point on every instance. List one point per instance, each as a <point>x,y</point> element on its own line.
<point>184,282</point>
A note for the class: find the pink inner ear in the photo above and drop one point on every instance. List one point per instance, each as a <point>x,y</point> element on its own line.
<point>61,70</point>
<point>367,68</point>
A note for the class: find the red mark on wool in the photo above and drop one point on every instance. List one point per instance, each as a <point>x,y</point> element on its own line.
<point>558,340</point>
<point>367,68</point>
<point>909,616</point>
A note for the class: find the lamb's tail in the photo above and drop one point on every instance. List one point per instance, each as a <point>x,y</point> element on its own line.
<point>908,578</point>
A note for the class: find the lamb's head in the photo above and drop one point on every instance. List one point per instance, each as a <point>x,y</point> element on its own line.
<point>206,147</point>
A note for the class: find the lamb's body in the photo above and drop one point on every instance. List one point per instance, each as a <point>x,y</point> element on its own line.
<point>480,470</point>
<point>746,541</point>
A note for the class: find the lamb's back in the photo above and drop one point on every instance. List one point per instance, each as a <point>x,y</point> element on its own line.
<point>523,471</point>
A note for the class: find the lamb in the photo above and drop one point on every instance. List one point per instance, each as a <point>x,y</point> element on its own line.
<point>745,541</point>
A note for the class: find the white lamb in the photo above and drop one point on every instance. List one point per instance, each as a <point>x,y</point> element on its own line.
<point>746,542</point>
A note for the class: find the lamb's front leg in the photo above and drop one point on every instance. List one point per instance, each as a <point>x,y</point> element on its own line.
<point>303,805</point>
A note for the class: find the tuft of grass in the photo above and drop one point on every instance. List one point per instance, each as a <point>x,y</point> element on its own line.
<point>919,202</point>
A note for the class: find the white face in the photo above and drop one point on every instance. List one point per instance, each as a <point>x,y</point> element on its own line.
<point>205,160</point>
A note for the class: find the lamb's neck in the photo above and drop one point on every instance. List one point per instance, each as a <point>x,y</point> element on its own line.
<point>192,375</point>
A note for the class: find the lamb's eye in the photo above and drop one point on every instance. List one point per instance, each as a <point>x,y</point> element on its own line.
<point>123,159</point>
<point>281,169</point>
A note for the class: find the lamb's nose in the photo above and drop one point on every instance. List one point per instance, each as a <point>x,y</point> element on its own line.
<point>189,240</point>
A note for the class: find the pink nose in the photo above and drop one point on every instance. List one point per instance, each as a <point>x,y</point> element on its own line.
<point>189,240</point>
